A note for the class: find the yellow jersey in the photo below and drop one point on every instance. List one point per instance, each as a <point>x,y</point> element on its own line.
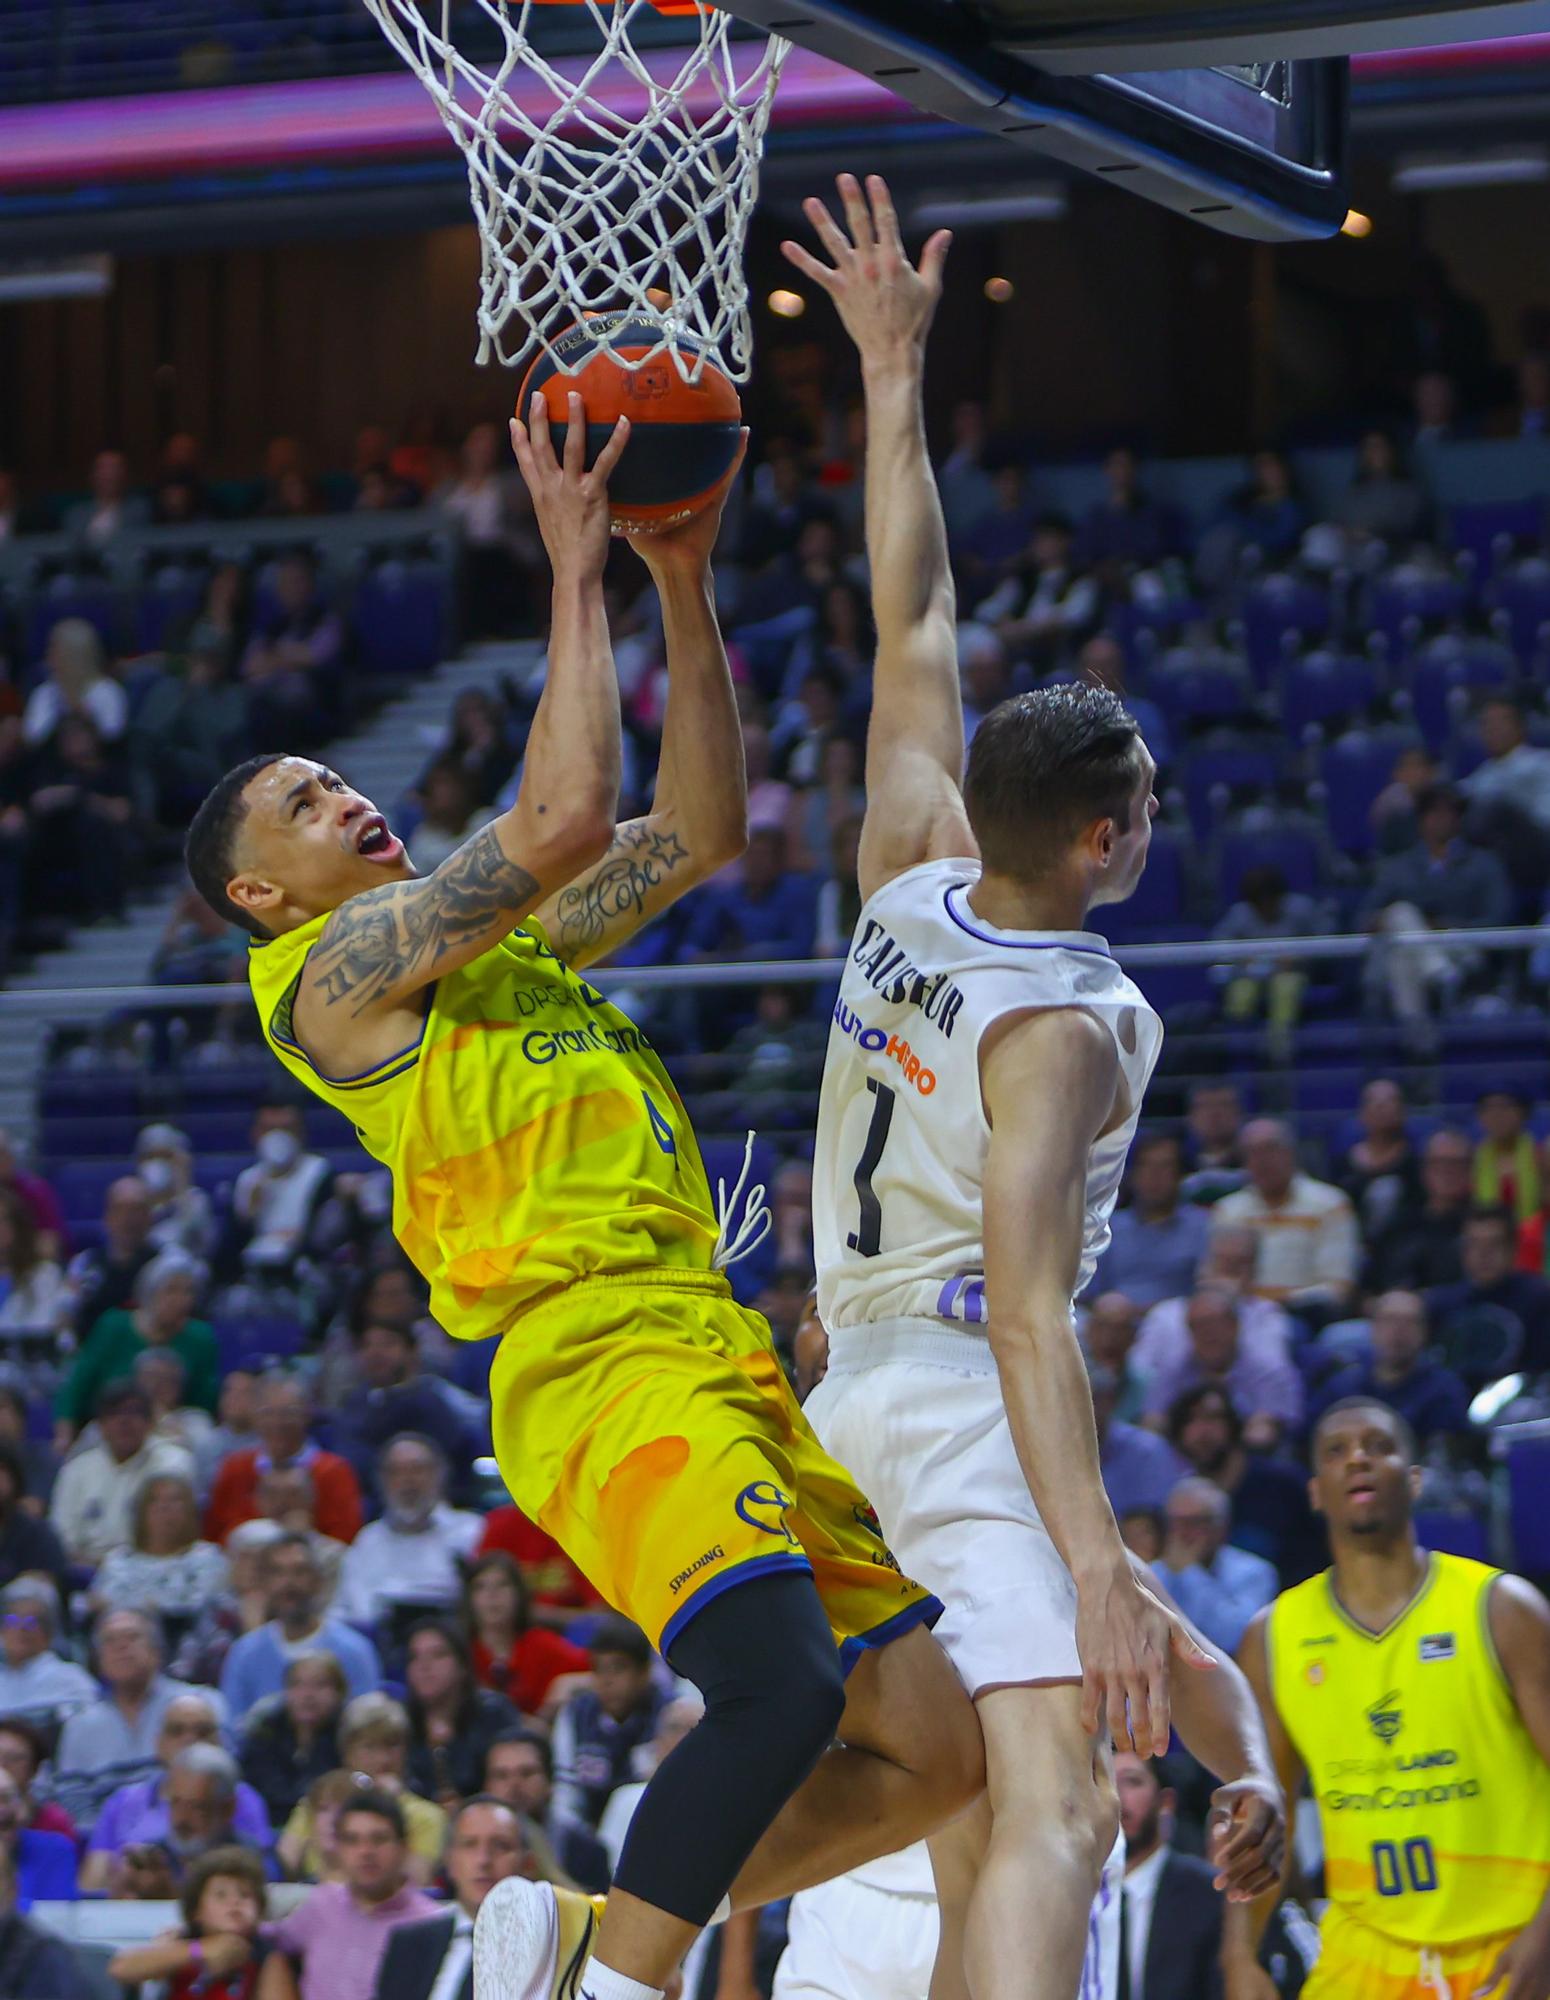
<point>532,1133</point>
<point>1434,1801</point>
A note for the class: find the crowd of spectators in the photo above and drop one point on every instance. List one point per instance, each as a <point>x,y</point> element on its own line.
<point>255,1662</point>
<point>133,672</point>
<point>265,1644</point>
<point>1226,626</point>
<point>267,1616</point>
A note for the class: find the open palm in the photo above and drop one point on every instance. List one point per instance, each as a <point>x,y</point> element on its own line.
<point>884,301</point>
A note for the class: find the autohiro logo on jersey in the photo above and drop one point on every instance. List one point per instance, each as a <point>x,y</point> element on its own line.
<point>878,1041</point>
<point>887,969</point>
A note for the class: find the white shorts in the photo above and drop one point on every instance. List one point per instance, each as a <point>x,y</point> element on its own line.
<point>849,1941</point>
<point>853,1939</point>
<point>916,1415</point>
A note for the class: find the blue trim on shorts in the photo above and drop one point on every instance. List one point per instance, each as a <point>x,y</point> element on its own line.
<point>743,1572</point>
<point>926,1612</point>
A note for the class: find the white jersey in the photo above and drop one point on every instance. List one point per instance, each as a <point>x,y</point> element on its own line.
<point>899,1171</point>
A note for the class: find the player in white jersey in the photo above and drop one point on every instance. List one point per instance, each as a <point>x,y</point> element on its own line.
<point>985,1071</point>
<point>872,1934</point>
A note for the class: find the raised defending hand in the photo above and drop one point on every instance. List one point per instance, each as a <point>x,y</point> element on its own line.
<point>1127,1642</point>
<point>687,545</point>
<point>570,503</point>
<point>885,301</point>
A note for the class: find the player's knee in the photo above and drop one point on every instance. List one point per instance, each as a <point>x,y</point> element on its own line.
<point>812,1702</point>
<point>1065,1830</point>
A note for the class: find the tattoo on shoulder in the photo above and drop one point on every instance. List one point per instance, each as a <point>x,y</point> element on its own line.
<point>640,860</point>
<point>377,940</point>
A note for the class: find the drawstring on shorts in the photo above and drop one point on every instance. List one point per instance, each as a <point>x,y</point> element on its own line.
<point>1433,1975</point>
<point>756,1222</point>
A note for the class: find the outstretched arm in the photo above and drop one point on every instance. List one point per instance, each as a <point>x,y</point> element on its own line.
<point>1049,1084</point>
<point>1243,1927</point>
<point>380,948</point>
<point>699,813</point>
<point>914,759</point>
<point>1219,1721</point>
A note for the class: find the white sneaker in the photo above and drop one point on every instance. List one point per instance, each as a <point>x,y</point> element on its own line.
<point>532,1941</point>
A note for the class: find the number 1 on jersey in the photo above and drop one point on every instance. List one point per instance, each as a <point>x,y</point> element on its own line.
<point>867,1237</point>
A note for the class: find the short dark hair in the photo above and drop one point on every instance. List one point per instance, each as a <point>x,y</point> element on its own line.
<point>533,1739</point>
<point>1495,1212</point>
<point>294,1538</point>
<point>369,1320</point>
<point>239,1864</point>
<point>624,1640</point>
<point>1042,768</point>
<point>1154,1516</point>
<point>1439,794</point>
<point>118,1395</point>
<point>1184,1406</point>
<point>360,1315</point>
<point>212,837</point>
<point>370,1799</point>
<point>25,1732</point>
<point>1148,1142</point>
<point>1403,1429</point>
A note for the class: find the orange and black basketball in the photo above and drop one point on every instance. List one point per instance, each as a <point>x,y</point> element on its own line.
<point>683,437</point>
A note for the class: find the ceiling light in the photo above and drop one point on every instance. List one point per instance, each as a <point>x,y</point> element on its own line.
<point>786,305</point>
<point>1043,203</point>
<point>1422,173</point>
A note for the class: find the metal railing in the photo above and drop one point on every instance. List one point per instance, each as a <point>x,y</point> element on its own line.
<point>85,1003</point>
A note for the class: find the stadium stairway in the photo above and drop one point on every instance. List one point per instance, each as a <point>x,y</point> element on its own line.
<point>383,759</point>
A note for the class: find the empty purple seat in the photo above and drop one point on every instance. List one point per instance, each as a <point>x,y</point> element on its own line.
<point>1354,769</point>
<point>1323,687</point>
<point>1247,773</point>
<point>1520,600</point>
<point>1293,850</point>
<point>1279,610</point>
<point>1488,529</point>
<point>401,622</point>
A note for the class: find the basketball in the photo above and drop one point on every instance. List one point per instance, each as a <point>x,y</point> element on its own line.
<point>683,435</point>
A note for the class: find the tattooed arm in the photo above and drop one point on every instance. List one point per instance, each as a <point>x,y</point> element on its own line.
<point>699,816</point>
<point>380,949</point>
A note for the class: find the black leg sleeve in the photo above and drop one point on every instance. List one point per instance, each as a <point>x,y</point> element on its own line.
<point>764,1658</point>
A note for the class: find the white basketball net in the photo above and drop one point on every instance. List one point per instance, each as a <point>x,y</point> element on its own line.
<point>588,199</point>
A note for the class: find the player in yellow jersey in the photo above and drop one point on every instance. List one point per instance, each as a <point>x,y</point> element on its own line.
<point>548,1185</point>
<point>1414,1690</point>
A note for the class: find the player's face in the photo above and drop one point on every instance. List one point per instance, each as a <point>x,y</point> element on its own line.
<point>1140,1799</point>
<point>1363,1482</point>
<point>308,843</point>
<point>1128,850</point>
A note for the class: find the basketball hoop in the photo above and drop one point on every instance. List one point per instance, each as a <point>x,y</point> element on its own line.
<point>617,181</point>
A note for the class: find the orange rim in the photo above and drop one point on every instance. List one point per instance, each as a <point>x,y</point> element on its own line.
<point>672,8</point>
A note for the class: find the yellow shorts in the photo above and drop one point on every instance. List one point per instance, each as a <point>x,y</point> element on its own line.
<point>644,1421</point>
<point>1356,1963</point>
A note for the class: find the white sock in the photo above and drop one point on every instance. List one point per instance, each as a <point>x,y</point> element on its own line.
<point>601,1982</point>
